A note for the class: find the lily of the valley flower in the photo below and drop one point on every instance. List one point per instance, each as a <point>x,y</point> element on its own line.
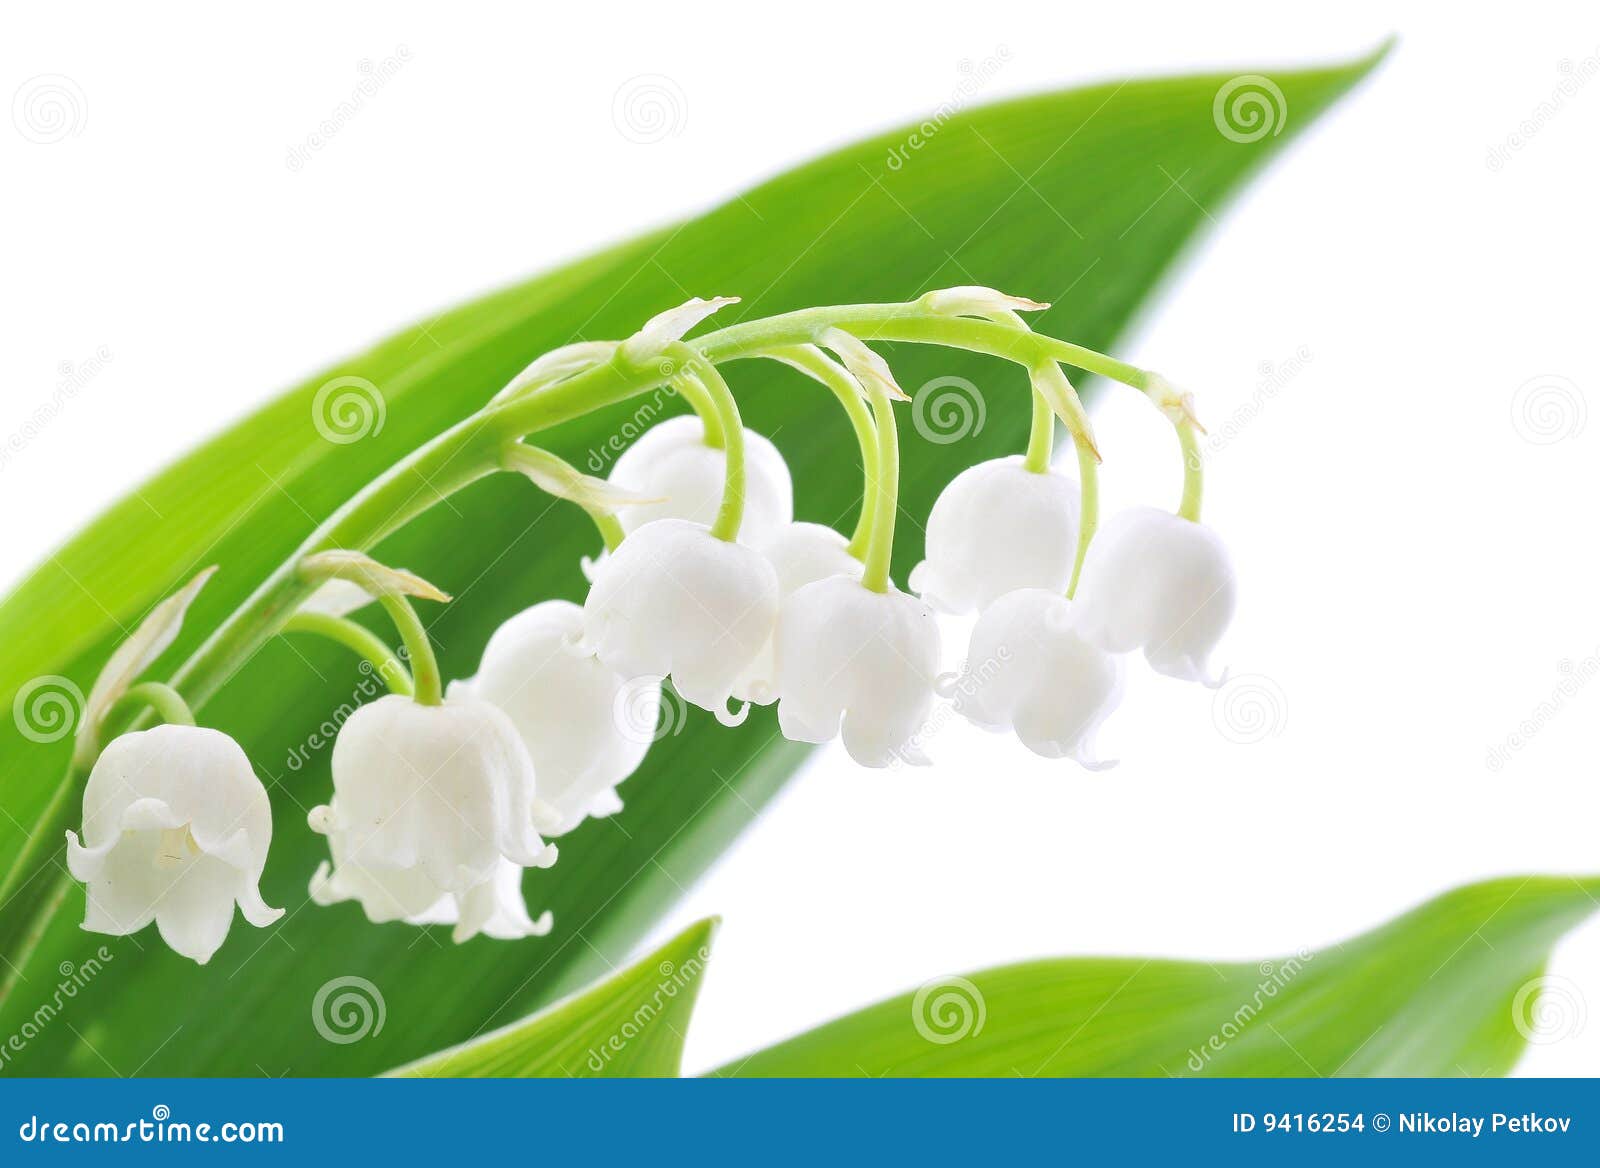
<point>998,527</point>
<point>676,600</point>
<point>564,703</point>
<point>429,801</point>
<point>801,554</point>
<point>680,477</point>
<point>1161,583</point>
<point>1028,671</point>
<point>857,664</point>
<point>493,907</point>
<point>176,828</point>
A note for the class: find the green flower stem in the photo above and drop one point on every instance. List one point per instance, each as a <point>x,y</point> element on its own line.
<point>427,685</point>
<point>463,454</point>
<point>730,514</point>
<point>564,481</point>
<point>167,702</point>
<point>471,450</point>
<point>886,492</point>
<point>1088,511</point>
<point>1041,436</point>
<point>359,639</point>
<point>817,365</point>
<point>1193,471</point>
<point>705,406</point>
<point>609,527</point>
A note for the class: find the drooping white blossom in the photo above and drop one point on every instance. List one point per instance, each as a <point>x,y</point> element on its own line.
<point>493,907</point>
<point>996,528</point>
<point>857,664</point>
<point>1028,671</point>
<point>428,803</point>
<point>671,466</point>
<point>676,600</point>
<point>1161,583</point>
<point>176,828</point>
<point>800,554</point>
<point>566,706</point>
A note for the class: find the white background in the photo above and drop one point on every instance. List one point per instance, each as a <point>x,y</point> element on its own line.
<point>1418,556</point>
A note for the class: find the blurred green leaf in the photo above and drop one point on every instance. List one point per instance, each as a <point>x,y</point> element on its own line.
<point>1452,988</point>
<point>631,1024</point>
<point>1083,198</point>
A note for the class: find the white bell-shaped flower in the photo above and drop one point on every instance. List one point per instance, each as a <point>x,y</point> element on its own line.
<point>493,907</point>
<point>566,705</point>
<point>676,600</point>
<point>427,803</point>
<point>1027,670</point>
<point>176,828</point>
<point>800,554</point>
<point>865,659</point>
<point>998,527</point>
<point>1157,582</point>
<point>671,466</point>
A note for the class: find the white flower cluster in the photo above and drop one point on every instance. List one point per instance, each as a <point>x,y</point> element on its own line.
<point>1043,666</point>
<point>442,798</point>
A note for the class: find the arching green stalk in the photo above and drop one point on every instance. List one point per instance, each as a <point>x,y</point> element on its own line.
<point>817,365</point>
<point>472,449</point>
<point>167,702</point>
<point>1088,511</point>
<point>427,685</point>
<point>730,514</point>
<point>886,493</point>
<point>706,408</point>
<point>359,639</point>
<point>1041,435</point>
<point>564,481</point>
<point>1193,471</point>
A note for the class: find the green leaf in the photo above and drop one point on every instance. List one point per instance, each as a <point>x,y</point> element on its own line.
<point>1065,197</point>
<point>1450,988</point>
<point>632,1024</point>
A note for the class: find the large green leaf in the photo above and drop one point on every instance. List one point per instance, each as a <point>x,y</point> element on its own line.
<point>1451,988</point>
<point>1065,197</point>
<point>631,1024</point>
